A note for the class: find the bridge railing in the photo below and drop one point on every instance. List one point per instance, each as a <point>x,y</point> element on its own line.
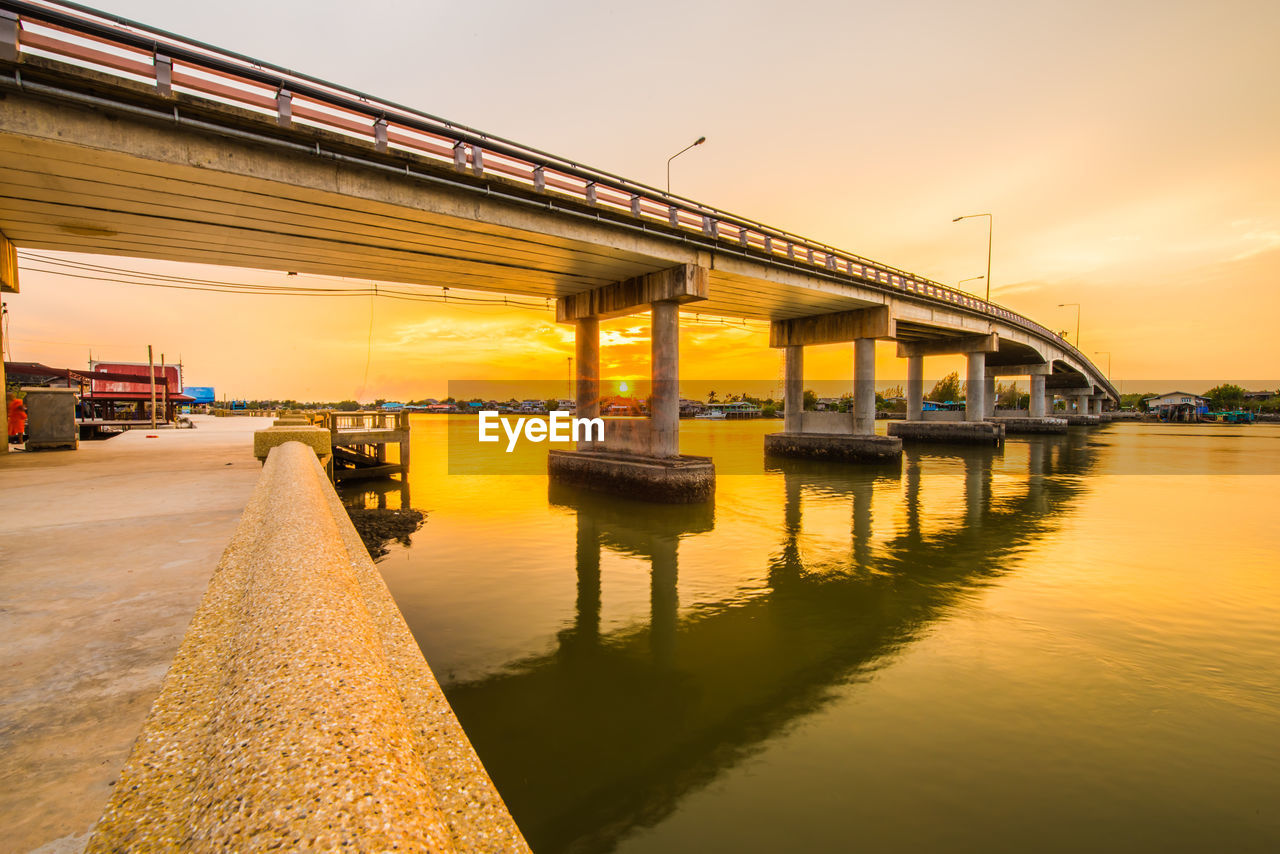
<point>339,422</point>
<point>172,63</point>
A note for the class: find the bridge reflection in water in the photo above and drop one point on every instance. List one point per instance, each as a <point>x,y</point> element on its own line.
<point>610,730</point>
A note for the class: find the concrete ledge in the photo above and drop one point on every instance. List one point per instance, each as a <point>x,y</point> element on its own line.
<point>834,446</point>
<point>673,480</point>
<point>298,713</point>
<point>948,432</point>
<point>1083,420</point>
<point>1030,426</point>
<point>315,438</point>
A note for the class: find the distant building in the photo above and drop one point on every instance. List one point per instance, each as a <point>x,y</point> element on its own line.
<point>1177,406</point>
<point>200,394</point>
<point>121,391</point>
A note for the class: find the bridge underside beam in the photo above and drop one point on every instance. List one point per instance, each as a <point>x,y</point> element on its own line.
<point>839,327</point>
<point>1067,381</point>
<point>950,346</point>
<point>680,284</point>
<point>1019,370</point>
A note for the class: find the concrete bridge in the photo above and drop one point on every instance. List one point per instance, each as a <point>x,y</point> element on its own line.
<point>122,139</point>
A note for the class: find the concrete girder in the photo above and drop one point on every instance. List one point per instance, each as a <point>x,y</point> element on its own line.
<point>680,284</point>
<point>989,343</point>
<point>1019,370</point>
<point>837,328</point>
<point>1067,382</point>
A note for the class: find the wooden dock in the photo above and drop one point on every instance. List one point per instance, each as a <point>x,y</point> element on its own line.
<point>360,441</point>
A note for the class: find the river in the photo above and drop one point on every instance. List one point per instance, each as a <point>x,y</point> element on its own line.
<point>1067,644</point>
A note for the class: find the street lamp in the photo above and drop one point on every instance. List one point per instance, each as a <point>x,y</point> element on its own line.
<point>970,279</point>
<point>697,141</point>
<point>990,226</point>
<point>1077,305</point>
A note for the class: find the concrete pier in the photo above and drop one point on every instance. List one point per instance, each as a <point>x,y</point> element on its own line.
<point>864,386</point>
<point>1029,426</point>
<point>949,432</point>
<point>673,480</point>
<point>915,388</point>
<point>975,408</point>
<point>839,436</point>
<point>640,459</point>
<point>845,448</point>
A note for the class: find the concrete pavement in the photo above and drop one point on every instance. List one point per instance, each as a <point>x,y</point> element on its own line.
<point>105,553</point>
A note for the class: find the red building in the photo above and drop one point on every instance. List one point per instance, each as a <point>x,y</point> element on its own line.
<point>113,393</point>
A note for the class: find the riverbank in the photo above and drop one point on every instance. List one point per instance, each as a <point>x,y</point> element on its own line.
<point>107,551</point>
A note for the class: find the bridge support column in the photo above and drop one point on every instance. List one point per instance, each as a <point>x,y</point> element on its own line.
<point>989,397</point>
<point>864,386</point>
<point>923,426</point>
<point>586,340</point>
<point>641,460</point>
<point>793,389</point>
<point>975,408</point>
<point>1036,404</point>
<point>847,437</point>
<point>915,388</point>
<point>665,409</point>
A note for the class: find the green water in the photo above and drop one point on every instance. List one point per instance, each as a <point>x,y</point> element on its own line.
<point>1068,644</point>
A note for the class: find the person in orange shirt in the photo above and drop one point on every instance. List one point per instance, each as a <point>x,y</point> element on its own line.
<point>17,419</point>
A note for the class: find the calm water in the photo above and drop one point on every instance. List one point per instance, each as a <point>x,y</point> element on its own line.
<point>1040,648</point>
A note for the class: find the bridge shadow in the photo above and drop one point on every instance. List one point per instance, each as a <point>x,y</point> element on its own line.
<point>611,730</point>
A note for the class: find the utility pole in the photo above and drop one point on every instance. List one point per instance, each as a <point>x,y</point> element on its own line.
<point>151,375</point>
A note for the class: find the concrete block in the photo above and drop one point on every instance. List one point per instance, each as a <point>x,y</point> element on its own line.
<point>51,419</point>
<point>948,432</point>
<point>669,480</point>
<point>315,438</point>
<point>1022,425</point>
<point>845,448</point>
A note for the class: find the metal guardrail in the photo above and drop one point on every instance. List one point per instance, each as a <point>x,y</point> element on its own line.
<point>172,63</point>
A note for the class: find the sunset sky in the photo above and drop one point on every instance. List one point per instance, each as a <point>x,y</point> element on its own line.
<point>1130,154</point>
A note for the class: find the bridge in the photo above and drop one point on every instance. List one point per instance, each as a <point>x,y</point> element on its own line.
<point>122,139</point>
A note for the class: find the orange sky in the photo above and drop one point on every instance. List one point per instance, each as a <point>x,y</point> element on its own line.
<point>1127,151</point>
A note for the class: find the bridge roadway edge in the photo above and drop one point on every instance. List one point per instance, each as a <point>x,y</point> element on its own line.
<point>738,275</point>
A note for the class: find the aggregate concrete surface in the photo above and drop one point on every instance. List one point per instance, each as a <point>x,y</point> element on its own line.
<point>105,553</point>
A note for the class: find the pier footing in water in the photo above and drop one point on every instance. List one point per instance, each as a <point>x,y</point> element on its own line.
<point>672,480</point>
<point>949,432</point>
<point>842,447</point>
<point>1030,426</point>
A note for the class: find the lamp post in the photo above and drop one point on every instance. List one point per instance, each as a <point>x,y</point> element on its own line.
<point>1077,305</point>
<point>990,227</point>
<point>970,279</point>
<point>697,141</point>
